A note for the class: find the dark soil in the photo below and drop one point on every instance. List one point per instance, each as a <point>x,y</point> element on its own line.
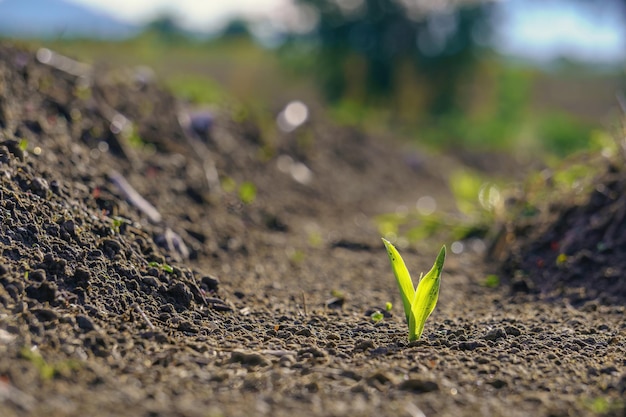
<point>134,281</point>
<point>574,251</point>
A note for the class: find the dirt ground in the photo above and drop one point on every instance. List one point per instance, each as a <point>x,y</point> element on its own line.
<point>140,274</point>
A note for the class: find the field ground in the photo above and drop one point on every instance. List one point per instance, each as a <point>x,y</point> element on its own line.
<point>153,269</point>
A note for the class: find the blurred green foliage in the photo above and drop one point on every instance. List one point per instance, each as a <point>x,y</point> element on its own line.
<point>385,66</point>
<point>426,73</point>
<point>494,111</point>
<point>197,89</point>
<point>478,200</point>
<point>562,134</point>
<point>166,28</point>
<point>372,50</point>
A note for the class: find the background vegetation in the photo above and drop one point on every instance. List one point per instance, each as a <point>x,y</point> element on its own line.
<point>424,75</point>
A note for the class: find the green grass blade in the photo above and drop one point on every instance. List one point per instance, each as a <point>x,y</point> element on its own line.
<point>426,297</point>
<point>403,278</point>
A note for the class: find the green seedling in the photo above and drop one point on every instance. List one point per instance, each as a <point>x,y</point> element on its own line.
<point>165,267</point>
<point>46,369</point>
<point>418,303</point>
<point>117,223</point>
<point>492,281</point>
<point>228,184</point>
<point>247,192</point>
<point>377,316</point>
<point>23,145</point>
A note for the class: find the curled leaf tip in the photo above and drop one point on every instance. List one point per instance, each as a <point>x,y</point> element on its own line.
<point>441,258</point>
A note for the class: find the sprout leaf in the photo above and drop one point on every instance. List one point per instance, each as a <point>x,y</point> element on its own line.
<point>418,304</point>
<point>403,278</point>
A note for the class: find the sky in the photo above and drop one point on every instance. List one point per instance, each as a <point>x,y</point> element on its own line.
<point>194,14</point>
<point>553,27</point>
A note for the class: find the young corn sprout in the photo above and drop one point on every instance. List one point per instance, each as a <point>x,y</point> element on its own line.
<point>418,303</point>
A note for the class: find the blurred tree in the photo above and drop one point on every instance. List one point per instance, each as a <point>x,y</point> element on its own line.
<point>166,28</point>
<point>236,29</point>
<point>364,48</point>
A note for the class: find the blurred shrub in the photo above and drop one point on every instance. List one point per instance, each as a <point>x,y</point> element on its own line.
<point>197,89</point>
<point>562,134</point>
<point>166,29</point>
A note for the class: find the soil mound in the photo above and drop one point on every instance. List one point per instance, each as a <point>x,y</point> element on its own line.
<point>108,182</point>
<point>576,247</point>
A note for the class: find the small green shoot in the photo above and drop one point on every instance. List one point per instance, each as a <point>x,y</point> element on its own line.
<point>46,371</point>
<point>388,306</point>
<point>134,139</point>
<point>296,256</point>
<point>165,267</point>
<point>228,184</point>
<point>377,316</point>
<point>117,223</point>
<point>337,293</point>
<point>247,192</point>
<point>492,281</point>
<point>603,405</point>
<point>418,303</point>
<point>23,145</point>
